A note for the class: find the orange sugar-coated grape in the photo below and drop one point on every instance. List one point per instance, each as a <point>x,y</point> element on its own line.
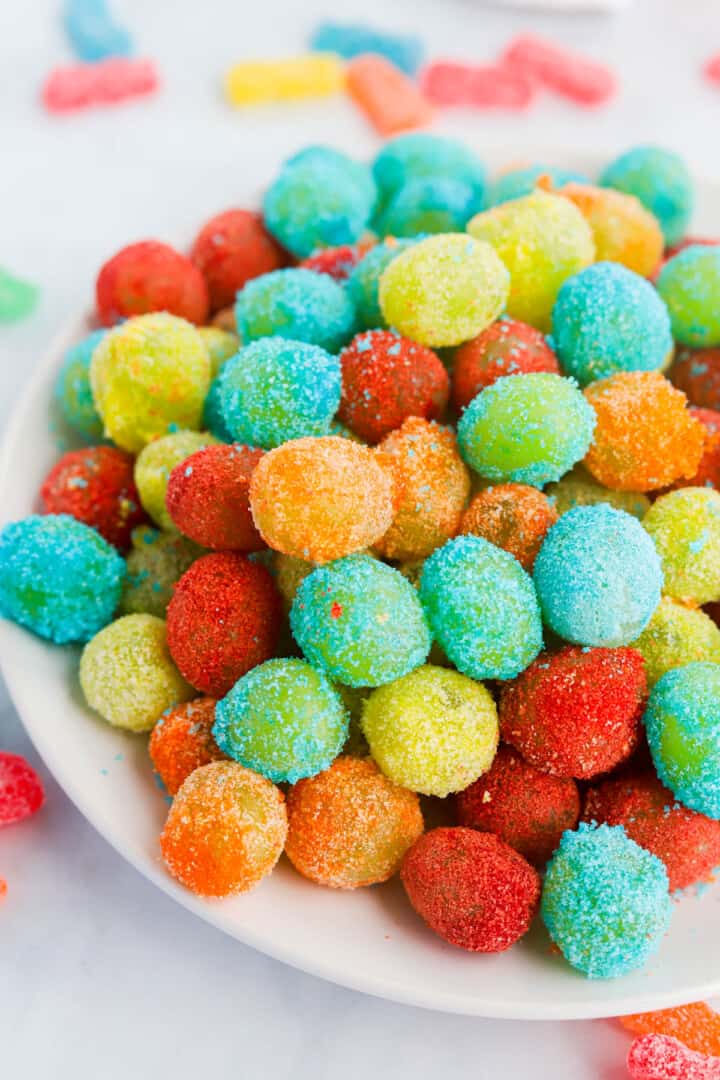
<point>322,498</point>
<point>645,437</point>
<point>350,826</point>
<point>391,101</point>
<point>182,741</point>
<point>623,230</point>
<point>225,830</point>
<point>696,1025</point>
<point>511,516</point>
<point>433,484</point>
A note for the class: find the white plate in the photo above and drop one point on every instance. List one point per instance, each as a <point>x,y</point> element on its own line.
<point>369,939</point>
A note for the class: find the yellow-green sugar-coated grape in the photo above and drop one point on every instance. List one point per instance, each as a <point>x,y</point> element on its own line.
<point>127,673</point>
<point>433,731</point>
<point>676,635</point>
<point>685,526</point>
<point>542,239</point>
<point>148,376</point>
<point>444,290</point>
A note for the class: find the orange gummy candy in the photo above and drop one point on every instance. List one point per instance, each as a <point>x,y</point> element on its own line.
<point>696,1025</point>
<point>389,99</point>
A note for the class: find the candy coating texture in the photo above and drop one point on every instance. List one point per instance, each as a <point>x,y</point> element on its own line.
<point>350,826</point>
<point>579,488</point>
<point>150,375</point>
<point>58,577</point>
<point>687,843</point>
<point>525,807</point>
<point>95,486</point>
<point>421,155</point>
<point>284,719</point>
<point>21,789</point>
<point>662,1057</point>
<point>360,622</point>
<point>274,390</point>
<point>623,230</point>
<point>444,290</point>
<point>181,741</point>
<point>645,438</point>
<point>685,528</point>
<point>434,731</point>
<point>434,485</point>
<point>223,619</point>
<point>542,239</point>
<point>689,284</point>
<point>605,901</point>
<point>481,607</point>
<point>676,635</point>
<point>598,576</point>
<point>471,888</point>
<point>608,319</point>
<point>320,499</point>
<point>527,429</point>
<point>387,378</point>
<point>150,276</point>
<point>506,347</point>
<point>298,304</point>
<point>576,713</point>
<point>514,517</point>
<point>682,721</point>
<point>155,563</point>
<point>363,285</point>
<point>321,198</point>
<point>230,249</point>
<point>127,674</point>
<point>225,830</point>
<point>155,463</point>
<point>208,497</point>
<point>72,388</point>
<point>661,181</point>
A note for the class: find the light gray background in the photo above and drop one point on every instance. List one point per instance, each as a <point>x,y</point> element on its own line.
<point>100,974</point>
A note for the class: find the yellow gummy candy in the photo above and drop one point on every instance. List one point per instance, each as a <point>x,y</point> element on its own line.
<point>254,81</point>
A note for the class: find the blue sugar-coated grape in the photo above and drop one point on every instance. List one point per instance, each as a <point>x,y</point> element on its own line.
<point>519,182</point>
<point>426,205</point>
<point>419,155</point>
<point>689,283</point>
<point>72,388</point>
<point>660,179</point>
<point>58,577</point>
<point>298,304</point>
<point>363,285</point>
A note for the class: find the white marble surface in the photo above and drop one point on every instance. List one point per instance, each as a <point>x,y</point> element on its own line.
<point>100,974</point>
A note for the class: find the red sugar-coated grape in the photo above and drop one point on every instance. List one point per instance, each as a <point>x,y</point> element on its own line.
<point>337,262</point>
<point>506,347</point>
<point>697,373</point>
<point>182,741</point>
<point>96,486</point>
<point>576,712</point>
<point>708,472</point>
<point>208,497</point>
<point>224,618</point>
<point>687,842</point>
<point>231,248</point>
<point>21,790</point>
<point>471,888</point>
<point>526,808</point>
<point>387,378</point>
<point>150,276</point>
<point>661,1057</point>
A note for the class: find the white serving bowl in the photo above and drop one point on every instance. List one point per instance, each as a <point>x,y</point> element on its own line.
<point>370,939</point>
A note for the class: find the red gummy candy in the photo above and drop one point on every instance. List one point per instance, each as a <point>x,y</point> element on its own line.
<point>21,790</point>
<point>660,1057</point>
<point>578,78</point>
<point>712,69</point>
<point>96,486</point>
<point>150,276</point>
<point>230,249</point>
<point>103,83</point>
<point>486,86</point>
<point>390,100</point>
